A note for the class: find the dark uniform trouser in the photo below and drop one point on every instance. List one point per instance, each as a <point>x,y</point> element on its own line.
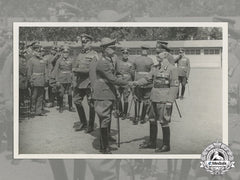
<point>78,96</point>
<point>104,109</point>
<point>183,82</point>
<point>65,87</point>
<point>123,92</point>
<point>162,113</point>
<point>51,94</point>
<point>23,94</point>
<point>37,98</point>
<point>142,94</point>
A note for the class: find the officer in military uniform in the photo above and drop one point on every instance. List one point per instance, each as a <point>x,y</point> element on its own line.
<point>51,59</point>
<point>82,85</point>
<point>125,70</point>
<point>165,87</point>
<point>63,75</point>
<point>23,79</point>
<point>38,77</point>
<point>183,65</point>
<point>104,91</point>
<point>142,66</point>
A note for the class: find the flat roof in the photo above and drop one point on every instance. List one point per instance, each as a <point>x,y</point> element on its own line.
<point>151,44</point>
<point>174,44</point>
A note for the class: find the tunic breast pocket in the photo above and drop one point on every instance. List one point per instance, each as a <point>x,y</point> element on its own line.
<point>161,81</point>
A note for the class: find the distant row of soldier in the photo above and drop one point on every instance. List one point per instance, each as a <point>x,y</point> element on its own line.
<point>105,79</point>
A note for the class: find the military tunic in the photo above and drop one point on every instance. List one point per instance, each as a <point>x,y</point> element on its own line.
<point>37,71</point>
<point>81,68</point>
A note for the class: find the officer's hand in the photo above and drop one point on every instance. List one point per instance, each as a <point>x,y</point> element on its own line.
<point>132,83</point>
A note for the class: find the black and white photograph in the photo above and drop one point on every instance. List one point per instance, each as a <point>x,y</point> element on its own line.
<point>119,90</point>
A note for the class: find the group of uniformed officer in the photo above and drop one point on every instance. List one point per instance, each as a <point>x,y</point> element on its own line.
<point>105,79</point>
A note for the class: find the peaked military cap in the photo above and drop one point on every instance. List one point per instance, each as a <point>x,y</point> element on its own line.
<point>162,46</point>
<point>32,44</point>
<point>145,46</point>
<point>84,35</point>
<point>66,49</point>
<point>162,42</point>
<point>106,42</point>
<point>36,45</point>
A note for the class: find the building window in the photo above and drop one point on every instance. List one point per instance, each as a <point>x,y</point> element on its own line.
<point>217,51</point>
<point>211,51</point>
<point>187,51</point>
<point>193,51</point>
<point>132,51</point>
<point>175,51</point>
<point>206,51</point>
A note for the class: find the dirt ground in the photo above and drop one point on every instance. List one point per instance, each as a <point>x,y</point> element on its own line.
<point>200,125</point>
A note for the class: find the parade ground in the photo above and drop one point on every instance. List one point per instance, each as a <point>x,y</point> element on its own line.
<point>200,125</point>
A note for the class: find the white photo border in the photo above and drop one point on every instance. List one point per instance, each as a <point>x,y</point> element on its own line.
<point>17,25</point>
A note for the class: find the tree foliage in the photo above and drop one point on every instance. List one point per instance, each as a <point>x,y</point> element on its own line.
<point>120,33</point>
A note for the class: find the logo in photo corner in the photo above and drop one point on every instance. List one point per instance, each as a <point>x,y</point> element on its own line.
<point>217,158</point>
